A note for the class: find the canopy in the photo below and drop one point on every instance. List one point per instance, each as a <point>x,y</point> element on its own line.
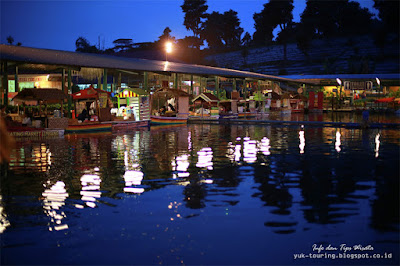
<point>48,95</point>
<point>385,100</point>
<point>131,93</point>
<point>88,93</point>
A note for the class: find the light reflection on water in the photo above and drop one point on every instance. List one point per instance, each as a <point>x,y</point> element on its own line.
<point>54,200</point>
<point>342,186</point>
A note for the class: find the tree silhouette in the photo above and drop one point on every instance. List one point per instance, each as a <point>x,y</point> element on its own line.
<point>275,13</point>
<point>232,31</point>
<point>389,13</point>
<point>222,31</point>
<point>279,13</point>
<point>327,19</point>
<point>10,40</point>
<point>166,36</point>
<point>212,31</point>
<point>246,41</point>
<point>195,13</point>
<point>263,33</point>
<point>335,18</point>
<point>122,45</point>
<point>83,45</point>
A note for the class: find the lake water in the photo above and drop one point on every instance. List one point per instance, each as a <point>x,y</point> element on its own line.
<point>203,194</point>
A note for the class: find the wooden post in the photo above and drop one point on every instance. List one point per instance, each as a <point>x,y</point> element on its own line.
<point>62,82</point>
<point>245,91</point>
<point>5,83</point>
<point>16,79</point>
<point>99,82</point>
<point>105,80</point>
<point>217,86</point>
<point>113,84</point>
<point>191,84</point>
<point>145,81</point>
<point>98,107</point>
<point>176,81</point>
<point>69,94</point>
<point>63,88</point>
<point>119,80</point>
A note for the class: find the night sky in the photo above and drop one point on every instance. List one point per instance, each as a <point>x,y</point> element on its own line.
<point>56,24</point>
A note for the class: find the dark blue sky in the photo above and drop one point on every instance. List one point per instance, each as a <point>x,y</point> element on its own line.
<point>56,24</point>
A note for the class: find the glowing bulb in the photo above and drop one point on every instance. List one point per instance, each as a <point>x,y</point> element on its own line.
<point>168,47</point>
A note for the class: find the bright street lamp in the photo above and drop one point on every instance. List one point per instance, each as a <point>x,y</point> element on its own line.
<point>340,92</point>
<point>168,49</point>
<point>379,84</point>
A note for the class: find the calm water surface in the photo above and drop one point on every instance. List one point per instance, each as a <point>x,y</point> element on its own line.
<point>202,194</point>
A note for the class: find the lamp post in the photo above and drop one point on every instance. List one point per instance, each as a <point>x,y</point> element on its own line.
<point>340,92</point>
<point>379,84</point>
<point>168,49</point>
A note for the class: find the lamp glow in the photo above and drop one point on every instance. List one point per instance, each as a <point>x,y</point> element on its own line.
<point>378,81</point>
<point>339,81</point>
<point>168,47</point>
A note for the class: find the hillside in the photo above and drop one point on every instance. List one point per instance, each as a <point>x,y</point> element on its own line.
<point>333,56</point>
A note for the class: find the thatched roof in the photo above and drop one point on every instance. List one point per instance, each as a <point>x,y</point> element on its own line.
<point>171,92</point>
<point>45,95</point>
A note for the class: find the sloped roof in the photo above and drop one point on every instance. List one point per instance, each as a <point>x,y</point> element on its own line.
<point>48,95</point>
<point>75,59</point>
<point>173,92</point>
<point>206,96</point>
<point>131,92</point>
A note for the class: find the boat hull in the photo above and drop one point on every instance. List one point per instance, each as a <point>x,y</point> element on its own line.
<point>88,128</point>
<point>163,120</point>
<point>247,115</point>
<point>129,125</point>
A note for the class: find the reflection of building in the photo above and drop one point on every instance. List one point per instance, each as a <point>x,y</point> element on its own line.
<point>38,154</point>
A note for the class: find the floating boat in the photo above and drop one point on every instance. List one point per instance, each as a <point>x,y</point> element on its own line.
<point>177,102</point>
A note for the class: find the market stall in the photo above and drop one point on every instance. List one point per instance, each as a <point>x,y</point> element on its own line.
<point>92,104</point>
<point>169,106</point>
<point>133,104</point>
<point>206,104</point>
<point>42,97</point>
